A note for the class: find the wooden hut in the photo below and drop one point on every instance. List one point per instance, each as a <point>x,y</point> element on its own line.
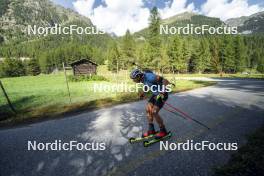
<point>83,67</point>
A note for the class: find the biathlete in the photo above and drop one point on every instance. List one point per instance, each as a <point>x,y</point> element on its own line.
<point>156,101</point>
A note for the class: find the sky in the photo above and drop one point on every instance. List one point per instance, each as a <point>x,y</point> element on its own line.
<point>116,16</point>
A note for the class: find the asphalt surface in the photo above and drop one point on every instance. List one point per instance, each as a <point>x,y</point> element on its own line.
<point>232,109</point>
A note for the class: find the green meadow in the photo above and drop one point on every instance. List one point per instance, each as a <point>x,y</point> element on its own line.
<point>44,96</point>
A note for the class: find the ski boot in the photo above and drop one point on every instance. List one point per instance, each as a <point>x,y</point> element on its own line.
<point>161,134</point>
<point>148,133</point>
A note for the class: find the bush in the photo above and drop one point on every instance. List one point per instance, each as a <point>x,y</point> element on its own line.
<point>73,78</point>
<point>260,67</point>
<point>12,68</point>
<point>33,67</point>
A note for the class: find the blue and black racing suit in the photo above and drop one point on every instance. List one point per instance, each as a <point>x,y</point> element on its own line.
<point>150,79</point>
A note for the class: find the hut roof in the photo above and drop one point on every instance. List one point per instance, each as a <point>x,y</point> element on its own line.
<point>77,62</point>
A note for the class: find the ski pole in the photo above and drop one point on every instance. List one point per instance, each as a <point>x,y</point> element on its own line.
<point>185,115</point>
<point>174,112</point>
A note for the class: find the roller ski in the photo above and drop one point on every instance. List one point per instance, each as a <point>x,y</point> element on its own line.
<point>146,136</point>
<point>158,137</point>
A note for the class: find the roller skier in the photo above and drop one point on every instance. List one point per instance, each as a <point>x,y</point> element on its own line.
<point>159,95</point>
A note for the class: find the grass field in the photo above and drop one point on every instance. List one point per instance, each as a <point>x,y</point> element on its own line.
<point>43,96</point>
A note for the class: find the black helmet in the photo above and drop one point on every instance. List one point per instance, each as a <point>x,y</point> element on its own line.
<point>135,73</point>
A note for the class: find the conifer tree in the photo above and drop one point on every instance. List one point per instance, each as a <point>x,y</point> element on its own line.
<point>114,58</point>
<point>239,54</point>
<point>215,58</point>
<point>229,56</point>
<point>128,50</point>
<point>175,54</point>
<point>164,62</point>
<point>202,56</point>
<point>33,67</point>
<point>154,36</point>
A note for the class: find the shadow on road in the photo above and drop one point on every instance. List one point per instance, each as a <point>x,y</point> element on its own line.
<point>249,86</point>
<point>112,127</point>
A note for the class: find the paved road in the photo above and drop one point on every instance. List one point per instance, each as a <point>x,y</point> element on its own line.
<point>232,108</point>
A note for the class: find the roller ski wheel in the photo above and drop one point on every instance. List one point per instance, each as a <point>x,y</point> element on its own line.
<point>156,139</point>
<point>146,136</point>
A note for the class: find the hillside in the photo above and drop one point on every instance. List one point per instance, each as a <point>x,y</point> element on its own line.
<point>236,21</point>
<point>181,20</point>
<point>179,17</point>
<point>191,18</point>
<point>248,24</point>
<point>16,15</point>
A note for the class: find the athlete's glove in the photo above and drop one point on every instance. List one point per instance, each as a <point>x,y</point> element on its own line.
<point>160,96</point>
<point>142,95</point>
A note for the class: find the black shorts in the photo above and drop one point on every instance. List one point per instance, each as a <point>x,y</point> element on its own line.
<point>160,102</point>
